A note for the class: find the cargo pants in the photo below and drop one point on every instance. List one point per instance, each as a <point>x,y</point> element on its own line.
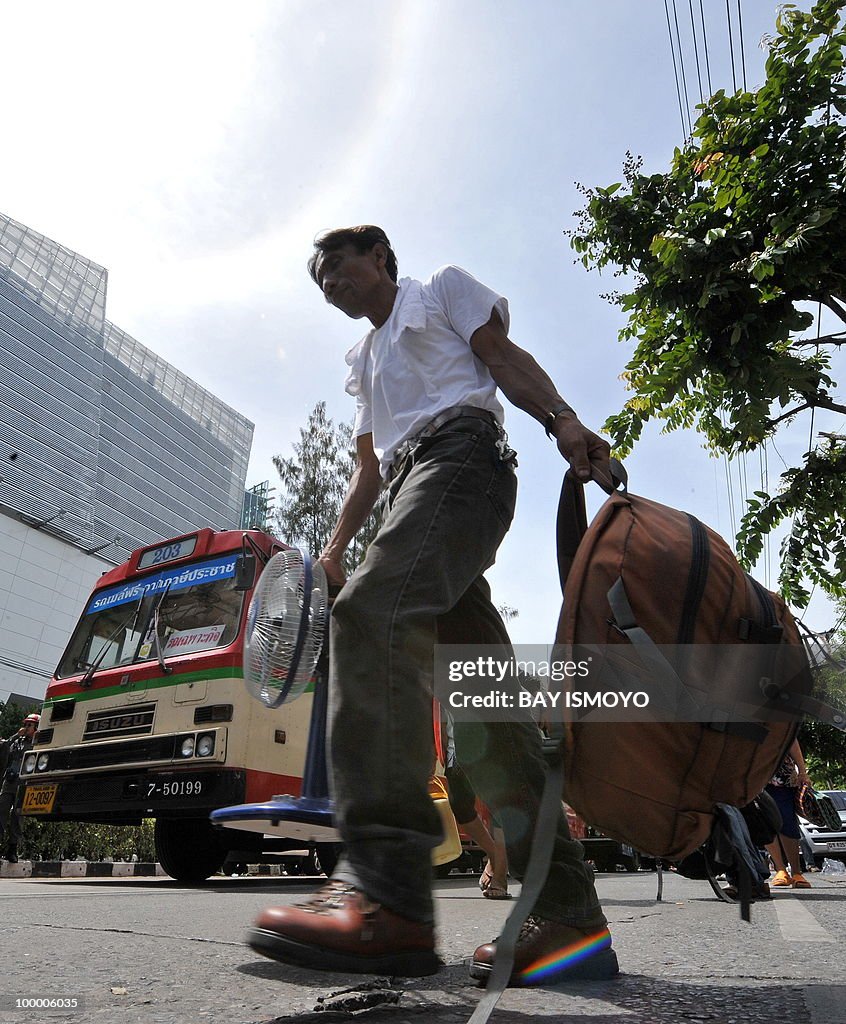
<point>450,508</point>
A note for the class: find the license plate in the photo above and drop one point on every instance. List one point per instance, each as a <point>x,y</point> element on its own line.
<point>170,788</point>
<point>39,799</point>
<point>836,846</point>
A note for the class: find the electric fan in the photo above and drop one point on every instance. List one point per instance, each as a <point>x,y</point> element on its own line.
<point>286,626</point>
<point>286,623</point>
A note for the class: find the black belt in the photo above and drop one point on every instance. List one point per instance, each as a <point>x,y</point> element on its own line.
<point>454,412</point>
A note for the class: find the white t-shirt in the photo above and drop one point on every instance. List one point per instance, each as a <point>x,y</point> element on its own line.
<point>419,361</point>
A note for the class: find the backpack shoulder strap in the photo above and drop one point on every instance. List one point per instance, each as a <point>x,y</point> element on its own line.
<point>572,518</point>
<point>571,524</point>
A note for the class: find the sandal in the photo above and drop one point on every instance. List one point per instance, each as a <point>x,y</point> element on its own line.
<point>491,889</point>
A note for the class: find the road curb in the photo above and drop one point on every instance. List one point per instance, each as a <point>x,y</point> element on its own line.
<point>78,869</point>
<point>107,869</point>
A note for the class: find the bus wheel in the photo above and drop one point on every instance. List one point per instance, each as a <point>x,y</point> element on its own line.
<point>189,849</point>
<point>328,855</point>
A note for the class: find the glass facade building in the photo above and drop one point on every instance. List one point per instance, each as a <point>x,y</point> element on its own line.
<point>258,507</point>
<point>102,442</point>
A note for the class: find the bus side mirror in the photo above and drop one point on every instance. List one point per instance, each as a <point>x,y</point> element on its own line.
<point>245,572</point>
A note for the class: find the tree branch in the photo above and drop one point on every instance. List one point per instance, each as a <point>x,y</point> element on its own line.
<point>826,403</point>
<point>788,414</point>
<point>838,338</point>
<point>834,306</point>
<point>818,403</point>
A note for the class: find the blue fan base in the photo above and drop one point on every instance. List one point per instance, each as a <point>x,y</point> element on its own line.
<point>308,818</point>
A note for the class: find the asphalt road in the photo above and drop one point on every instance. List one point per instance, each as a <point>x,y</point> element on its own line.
<point>150,951</point>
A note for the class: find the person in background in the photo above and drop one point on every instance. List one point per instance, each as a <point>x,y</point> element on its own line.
<point>789,775</point>
<point>12,753</point>
<point>462,801</point>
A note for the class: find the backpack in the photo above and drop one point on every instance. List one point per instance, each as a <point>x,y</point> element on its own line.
<point>735,849</point>
<point>646,575</point>
<point>760,824</point>
<point>643,575</point>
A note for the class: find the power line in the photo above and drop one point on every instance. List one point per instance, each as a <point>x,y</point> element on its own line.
<point>729,486</point>
<point>811,445</point>
<point>705,42</point>
<point>730,494</point>
<point>731,47</point>
<point>743,481</point>
<point>742,48</point>
<point>695,50</point>
<point>681,66</point>
<point>763,465</point>
<point>675,68</point>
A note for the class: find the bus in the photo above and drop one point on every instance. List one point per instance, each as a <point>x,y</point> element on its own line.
<point>147,715</point>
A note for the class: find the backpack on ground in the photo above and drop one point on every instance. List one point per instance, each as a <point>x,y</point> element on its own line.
<point>760,825</point>
<point>735,849</point>
<point>654,578</point>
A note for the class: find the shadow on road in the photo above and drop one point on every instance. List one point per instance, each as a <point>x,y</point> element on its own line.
<point>449,997</point>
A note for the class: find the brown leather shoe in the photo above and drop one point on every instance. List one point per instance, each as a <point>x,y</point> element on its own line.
<point>547,952</point>
<point>340,929</point>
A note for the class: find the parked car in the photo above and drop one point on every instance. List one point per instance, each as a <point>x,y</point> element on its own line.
<point>819,842</point>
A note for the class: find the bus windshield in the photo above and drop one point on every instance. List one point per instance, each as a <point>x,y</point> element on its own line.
<point>198,610</point>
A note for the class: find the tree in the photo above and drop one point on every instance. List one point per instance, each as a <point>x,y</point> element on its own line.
<point>824,747</point>
<point>11,717</point>
<point>314,483</point>
<point>735,253</point>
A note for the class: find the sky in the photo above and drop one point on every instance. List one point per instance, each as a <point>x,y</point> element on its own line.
<point>195,149</point>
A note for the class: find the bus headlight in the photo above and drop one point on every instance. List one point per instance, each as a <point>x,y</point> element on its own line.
<point>43,761</point>
<point>28,766</point>
<point>187,748</point>
<point>205,744</point>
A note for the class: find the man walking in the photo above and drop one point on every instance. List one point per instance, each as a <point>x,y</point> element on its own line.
<point>12,753</point>
<point>429,424</point>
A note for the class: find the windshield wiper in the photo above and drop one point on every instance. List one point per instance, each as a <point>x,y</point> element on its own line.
<point>95,664</point>
<point>162,664</point>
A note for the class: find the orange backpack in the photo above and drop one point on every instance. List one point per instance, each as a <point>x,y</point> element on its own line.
<point>647,575</point>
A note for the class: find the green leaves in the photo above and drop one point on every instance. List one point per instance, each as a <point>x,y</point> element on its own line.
<point>729,248</point>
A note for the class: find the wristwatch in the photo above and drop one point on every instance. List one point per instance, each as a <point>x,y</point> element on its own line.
<point>553,415</point>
